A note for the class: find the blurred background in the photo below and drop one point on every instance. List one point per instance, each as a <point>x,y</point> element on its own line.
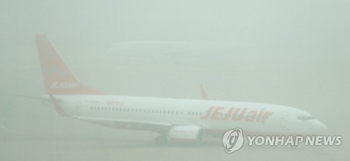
<point>278,52</point>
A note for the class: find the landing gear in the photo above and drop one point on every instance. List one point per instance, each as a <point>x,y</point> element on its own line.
<point>161,140</point>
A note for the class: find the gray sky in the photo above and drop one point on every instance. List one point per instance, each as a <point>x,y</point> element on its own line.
<point>285,35</point>
<point>295,24</point>
<point>296,39</point>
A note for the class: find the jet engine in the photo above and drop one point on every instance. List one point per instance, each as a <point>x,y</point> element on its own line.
<point>188,133</point>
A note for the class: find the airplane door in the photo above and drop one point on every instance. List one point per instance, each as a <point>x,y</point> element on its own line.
<point>283,120</point>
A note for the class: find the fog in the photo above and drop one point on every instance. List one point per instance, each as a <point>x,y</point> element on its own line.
<point>276,52</point>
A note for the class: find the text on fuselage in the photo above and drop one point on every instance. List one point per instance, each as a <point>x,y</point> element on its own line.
<point>236,114</point>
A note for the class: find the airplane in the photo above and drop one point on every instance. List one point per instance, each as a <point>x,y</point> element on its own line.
<point>176,120</point>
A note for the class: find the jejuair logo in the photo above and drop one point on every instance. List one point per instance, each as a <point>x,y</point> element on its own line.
<point>233,140</point>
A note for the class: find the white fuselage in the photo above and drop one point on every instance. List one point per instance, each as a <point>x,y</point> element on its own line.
<point>215,116</point>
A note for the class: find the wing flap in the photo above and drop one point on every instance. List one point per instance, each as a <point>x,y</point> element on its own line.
<point>128,124</point>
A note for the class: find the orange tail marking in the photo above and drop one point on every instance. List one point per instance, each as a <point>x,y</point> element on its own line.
<point>58,78</point>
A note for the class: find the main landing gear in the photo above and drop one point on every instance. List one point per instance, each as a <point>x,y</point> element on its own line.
<point>161,140</point>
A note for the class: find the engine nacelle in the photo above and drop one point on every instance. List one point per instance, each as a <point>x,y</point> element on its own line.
<point>188,133</point>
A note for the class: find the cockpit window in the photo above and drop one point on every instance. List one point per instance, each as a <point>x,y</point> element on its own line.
<point>303,118</point>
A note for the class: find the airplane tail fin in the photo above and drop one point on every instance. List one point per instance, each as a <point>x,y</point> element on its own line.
<point>58,78</point>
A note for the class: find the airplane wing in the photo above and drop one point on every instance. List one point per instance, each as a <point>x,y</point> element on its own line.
<point>129,124</point>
